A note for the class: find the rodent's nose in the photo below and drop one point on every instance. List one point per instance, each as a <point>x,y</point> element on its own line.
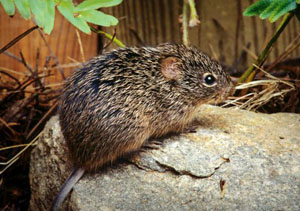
<point>230,89</point>
<point>227,91</point>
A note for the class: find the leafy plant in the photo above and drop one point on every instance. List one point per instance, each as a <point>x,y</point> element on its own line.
<point>79,15</point>
<point>272,9</point>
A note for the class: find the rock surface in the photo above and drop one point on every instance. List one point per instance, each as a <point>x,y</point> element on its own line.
<point>237,160</point>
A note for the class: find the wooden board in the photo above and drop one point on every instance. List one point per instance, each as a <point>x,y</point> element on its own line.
<point>223,33</point>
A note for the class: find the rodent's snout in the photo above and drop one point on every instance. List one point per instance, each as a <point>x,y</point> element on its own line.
<point>222,94</point>
<point>230,89</point>
<point>225,92</point>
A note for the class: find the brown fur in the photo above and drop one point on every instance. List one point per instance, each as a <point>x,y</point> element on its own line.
<point>115,102</point>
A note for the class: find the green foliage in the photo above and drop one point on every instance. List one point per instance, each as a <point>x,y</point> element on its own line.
<point>80,15</point>
<point>273,9</point>
<point>66,8</point>
<point>96,4</point>
<point>23,7</point>
<point>9,6</point>
<point>99,18</point>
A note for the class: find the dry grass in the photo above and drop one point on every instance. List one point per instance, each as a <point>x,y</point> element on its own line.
<point>261,92</point>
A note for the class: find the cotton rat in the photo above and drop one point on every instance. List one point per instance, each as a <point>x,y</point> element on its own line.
<point>115,102</point>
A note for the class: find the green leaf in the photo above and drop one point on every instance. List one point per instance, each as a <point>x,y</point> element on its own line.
<point>24,9</point>
<point>50,16</point>
<point>282,8</point>
<point>269,10</point>
<point>8,6</point>
<point>66,8</point>
<point>38,8</point>
<point>96,4</point>
<point>272,9</point>
<point>99,18</point>
<point>298,1</point>
<point>257,8</point>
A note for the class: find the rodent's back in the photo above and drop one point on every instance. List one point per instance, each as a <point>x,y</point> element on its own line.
<point>116,101</point>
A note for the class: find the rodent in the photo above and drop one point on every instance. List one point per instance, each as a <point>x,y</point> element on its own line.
<point>115,102</point>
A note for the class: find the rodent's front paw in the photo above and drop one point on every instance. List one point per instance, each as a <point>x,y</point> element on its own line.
<point>192,127</point>
<point>152,145</point>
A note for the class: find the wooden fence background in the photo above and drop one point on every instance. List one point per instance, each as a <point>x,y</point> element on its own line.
<point>63,42</point>
<point>223,33</point>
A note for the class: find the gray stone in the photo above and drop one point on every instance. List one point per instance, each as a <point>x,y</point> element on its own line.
<point>236,160</point>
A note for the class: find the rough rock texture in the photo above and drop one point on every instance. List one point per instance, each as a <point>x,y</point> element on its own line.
<point>237,160</point>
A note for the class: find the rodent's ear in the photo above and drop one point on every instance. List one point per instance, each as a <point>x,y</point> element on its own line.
<point>171,68</point>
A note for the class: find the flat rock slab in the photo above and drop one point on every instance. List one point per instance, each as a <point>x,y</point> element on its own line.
<point>236,160</point>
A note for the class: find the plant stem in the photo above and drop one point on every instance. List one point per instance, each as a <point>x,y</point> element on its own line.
<point>194,21</point>
<point>110,37</point>
<point>251,71</point>
<point>185,24</point>
<point>193,9</point>
<point>115,40</point>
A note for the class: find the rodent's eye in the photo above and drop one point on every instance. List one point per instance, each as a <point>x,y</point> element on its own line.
<point>209,79</point>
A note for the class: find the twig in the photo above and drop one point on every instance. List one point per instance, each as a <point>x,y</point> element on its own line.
<point>70,65</point>
<point>18,38</point>
<point>9,75</point>
<point>36,71</point>
<point>73,60</point>
<point>8,164</point>
<point>19,60</point>
<point>13,71</point>
<point>137,37</point>
<point>292,46</point>
<point>52,55</point>
<point>7,125</point>
<point>31,80</point>
<point>80,45</point>
<point>251,53</point>
<point>214,54</point>
<point>33,74</point>
<point>111,40</point>
<point>233,102</point>
<point>21,88</point>
<point>12,56</point>
<point>49,112</point>
<point>37,59</point>
<point>12,147</point>
<point>288,62</point>
<point>48,86</point>
<point>17,156</point>
<point>25,63</point>
<point>273,77</point>
<point>45,68</point>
